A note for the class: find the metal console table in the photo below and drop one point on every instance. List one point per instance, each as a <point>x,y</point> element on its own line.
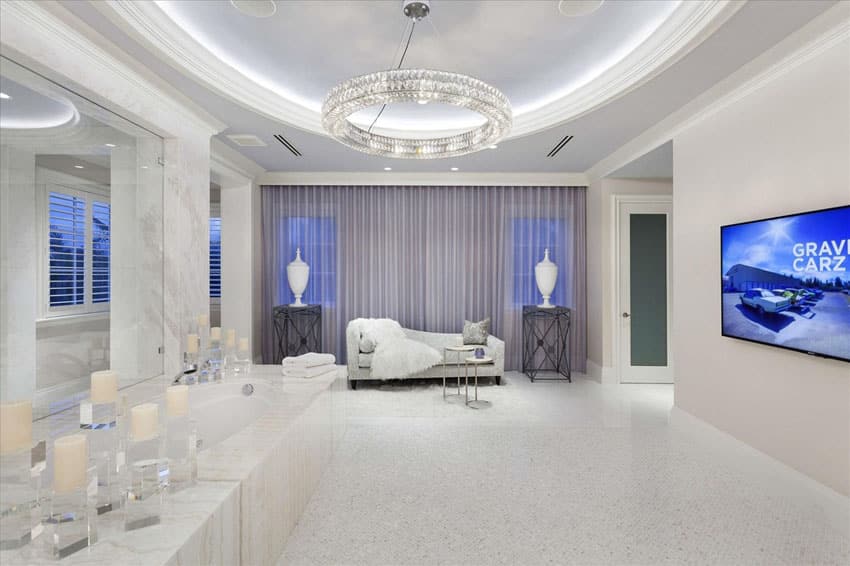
<point>546,342</point>
<point>298,330</point>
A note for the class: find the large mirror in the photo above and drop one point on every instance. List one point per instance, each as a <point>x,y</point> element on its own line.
<point>81,240</point>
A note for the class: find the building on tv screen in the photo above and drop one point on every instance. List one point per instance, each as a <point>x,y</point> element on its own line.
<point>785,282</point>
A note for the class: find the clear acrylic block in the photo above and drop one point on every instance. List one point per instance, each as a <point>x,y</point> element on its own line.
<point>182,452</point>
<point>71,522</point>
<point>146,477</point>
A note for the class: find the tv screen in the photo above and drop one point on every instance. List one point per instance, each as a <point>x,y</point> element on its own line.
<point>786,282</point>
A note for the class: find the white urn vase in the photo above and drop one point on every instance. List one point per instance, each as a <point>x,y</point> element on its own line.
<point>546,274</point>
<point>297,272</point>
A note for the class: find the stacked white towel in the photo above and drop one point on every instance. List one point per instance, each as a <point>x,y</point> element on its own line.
<point>311,364</point>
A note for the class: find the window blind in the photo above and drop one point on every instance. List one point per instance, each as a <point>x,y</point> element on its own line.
<point>215,257</point>
<point>67,218</point>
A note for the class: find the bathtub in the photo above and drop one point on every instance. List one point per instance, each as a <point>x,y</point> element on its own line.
<point>220,410</point>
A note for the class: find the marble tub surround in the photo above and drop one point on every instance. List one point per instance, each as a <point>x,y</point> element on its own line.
<point>252,486</point>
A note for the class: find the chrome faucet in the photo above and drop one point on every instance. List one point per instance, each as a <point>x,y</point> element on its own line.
<point>187,375</point>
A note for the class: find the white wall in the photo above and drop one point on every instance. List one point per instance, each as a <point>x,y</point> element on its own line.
<point>781,149</point>
<point>600,256</point>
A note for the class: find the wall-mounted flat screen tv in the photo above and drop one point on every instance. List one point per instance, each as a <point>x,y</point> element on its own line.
<point>786,282</point>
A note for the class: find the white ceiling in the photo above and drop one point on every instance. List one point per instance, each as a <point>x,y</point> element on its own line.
<point>525,52</point>
<point>525,48</point>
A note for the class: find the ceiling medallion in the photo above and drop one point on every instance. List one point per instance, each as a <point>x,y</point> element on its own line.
<point>416,85</point>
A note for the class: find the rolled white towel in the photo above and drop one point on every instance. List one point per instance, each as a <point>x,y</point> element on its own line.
<point>310,359</point>
<point>315,371</point>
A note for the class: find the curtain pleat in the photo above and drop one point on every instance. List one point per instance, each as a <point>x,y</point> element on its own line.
<point>428,257</point>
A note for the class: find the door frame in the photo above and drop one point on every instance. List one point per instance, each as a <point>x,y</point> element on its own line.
<point>617,204</point>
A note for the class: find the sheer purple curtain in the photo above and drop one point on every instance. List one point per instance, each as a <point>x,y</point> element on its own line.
<point>428,257</point>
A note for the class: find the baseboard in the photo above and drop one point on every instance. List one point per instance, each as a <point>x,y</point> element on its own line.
<point>602,374</point>
<point>837,503</point>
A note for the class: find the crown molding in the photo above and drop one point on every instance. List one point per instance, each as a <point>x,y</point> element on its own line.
<point>441,178</point>
<point>686,28</point>
<point>819,35</point>
<point>41,35</point>
<point>229,164</point>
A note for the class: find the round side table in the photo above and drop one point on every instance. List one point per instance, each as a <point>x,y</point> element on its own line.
<point>458,350</point>
<point>476,403</point>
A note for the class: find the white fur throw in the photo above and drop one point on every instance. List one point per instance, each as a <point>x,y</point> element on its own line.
<point>396,355</point>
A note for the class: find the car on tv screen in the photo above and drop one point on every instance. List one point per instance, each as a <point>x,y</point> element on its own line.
<point>786,282</point>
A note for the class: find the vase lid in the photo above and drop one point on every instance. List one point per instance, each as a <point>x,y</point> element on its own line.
<point>545,260</point>
<point>297,260</point>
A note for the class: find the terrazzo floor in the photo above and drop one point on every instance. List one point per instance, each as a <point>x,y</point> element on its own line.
<point>556,473</point>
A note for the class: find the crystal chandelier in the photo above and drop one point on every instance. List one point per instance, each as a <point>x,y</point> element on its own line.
<point>416,85</point>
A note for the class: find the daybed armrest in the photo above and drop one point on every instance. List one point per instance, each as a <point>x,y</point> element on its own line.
<point>497,346</point>
<point>352,347</point>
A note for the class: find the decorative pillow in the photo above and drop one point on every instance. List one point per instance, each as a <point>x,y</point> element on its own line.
<point>476,332</point>
<point>367,344</point>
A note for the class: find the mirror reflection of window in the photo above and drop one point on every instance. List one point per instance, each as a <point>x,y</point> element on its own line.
<point>82,231</point>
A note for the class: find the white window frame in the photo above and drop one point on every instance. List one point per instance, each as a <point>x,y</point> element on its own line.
<point>52,181</point>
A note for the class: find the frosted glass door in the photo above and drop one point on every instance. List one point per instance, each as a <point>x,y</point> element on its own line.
<point>644,287</point>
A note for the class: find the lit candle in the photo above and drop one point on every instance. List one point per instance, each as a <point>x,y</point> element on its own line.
<point>177,400</point>
<point>70,455</point>
<point>230,341</point>
<point>15,426</point>
<point>104,386</point>
<point>243,344</point>
<point>144,421</point>
<point>192,342</point>
<point>215,333</point>
<point>203,320</point>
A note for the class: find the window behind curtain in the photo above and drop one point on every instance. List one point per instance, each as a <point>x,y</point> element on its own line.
<point>67,219</point>
<point>531,237</point>
<point>316,236</point>
<point>215,257</point>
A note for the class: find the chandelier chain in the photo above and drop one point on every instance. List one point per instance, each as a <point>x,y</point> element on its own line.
<point>400,61</point>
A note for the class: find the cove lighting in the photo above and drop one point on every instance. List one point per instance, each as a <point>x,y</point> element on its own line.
<point>4,96</point>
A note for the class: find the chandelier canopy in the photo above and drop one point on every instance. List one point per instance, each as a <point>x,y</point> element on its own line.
<point>416,85</point>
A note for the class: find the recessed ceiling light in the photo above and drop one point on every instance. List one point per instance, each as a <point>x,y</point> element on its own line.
<point>388,168</point>
<point>144,166</point>
<point>454,168</point>
<point>78,167</point>
<point>109,144</point>
<point>577,8</point>
<point>422,101</point>
<point>494,146</point>
<point>4,96</point>
<point>255,8</point>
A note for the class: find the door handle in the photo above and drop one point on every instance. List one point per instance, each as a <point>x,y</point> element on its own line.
<point>626,315</point>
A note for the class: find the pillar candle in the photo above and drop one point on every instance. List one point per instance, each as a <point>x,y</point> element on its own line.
<point>70,455</point>
<point>243,344</point>
<point>203,320</point>
<point>230,341</point>
<point>104,386</point>
<point>192,342</point>
<point>15,426</point>
<point>215,333</point>
<point>177,400</point>
<point>144,421</point>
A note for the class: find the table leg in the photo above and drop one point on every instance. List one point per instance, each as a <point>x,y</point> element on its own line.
<point>466,371</point>
<point>458,374</point>
<point>445,359</point>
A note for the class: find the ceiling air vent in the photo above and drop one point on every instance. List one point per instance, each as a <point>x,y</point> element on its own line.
<point>287,145</point>
<point>564,141</point>
<point>246,140</point>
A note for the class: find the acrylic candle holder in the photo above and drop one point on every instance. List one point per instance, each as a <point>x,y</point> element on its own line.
<point>182,453</point>
<point>71,522</point>
<point>20,495</point>
<point>146,469</point>
<point>100,423</point>
<point>243,357</point>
